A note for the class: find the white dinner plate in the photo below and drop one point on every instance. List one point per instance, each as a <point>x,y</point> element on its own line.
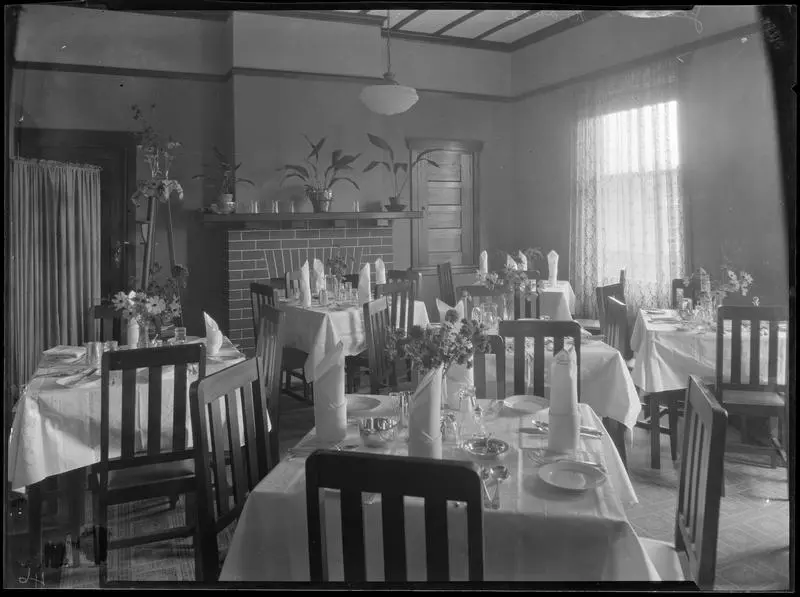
<point>655,311</point>
<point>361,404</point>
<point>572,475</point>
<point>522,405</point>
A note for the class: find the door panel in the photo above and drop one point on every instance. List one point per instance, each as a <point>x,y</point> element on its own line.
<point>444,216</point>
<point>115,153</point>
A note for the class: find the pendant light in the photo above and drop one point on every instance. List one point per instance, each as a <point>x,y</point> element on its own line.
<point>389,97</point>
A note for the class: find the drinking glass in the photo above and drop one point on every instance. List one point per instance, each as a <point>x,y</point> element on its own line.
<point>94,353</point>
<point>477,313</point>
<point>180,335</point>
<point>110,346</point>
<point>296,293</point>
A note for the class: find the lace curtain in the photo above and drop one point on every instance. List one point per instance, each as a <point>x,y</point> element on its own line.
<point>53,256</point>
<point>627,208</point>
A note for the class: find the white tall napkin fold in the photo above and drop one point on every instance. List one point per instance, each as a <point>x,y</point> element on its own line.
<point>510,263</point>
<point>319,276</point>
<point>380,271</point>
<point>330,406</point>
<point>364,293</point>
<point>484,263</point>
<point>564,430</point>
<point>444,308</point>
<point>552,264</point>
<point>305,286</point>
<point>424,417</point>
<point>523,261</point>
<point>213,335</point>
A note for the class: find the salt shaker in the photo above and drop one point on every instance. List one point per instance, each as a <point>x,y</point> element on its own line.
<point>323,297</point>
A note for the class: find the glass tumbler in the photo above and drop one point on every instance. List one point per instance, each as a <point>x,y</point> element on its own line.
<point>94,353</point>
<point>180,335</point>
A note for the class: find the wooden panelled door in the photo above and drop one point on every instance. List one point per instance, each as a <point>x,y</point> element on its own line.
<point>448,196</point>
<point>115,153</point>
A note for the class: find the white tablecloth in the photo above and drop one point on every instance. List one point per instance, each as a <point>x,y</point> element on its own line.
<point>606,383</point>
<point>666,355</point>
<point>539,533</point>
<point>318,330</point>
<point>557,303</point>
<point>56,429</point>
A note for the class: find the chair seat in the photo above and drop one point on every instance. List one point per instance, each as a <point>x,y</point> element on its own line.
<point>664,558</point>
<point>294,358</point>
<point>751,398</point>
<point>150,474</point>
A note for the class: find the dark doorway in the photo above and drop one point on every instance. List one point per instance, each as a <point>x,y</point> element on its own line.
<point>115,153</point>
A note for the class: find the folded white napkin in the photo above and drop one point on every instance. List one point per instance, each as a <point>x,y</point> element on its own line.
<point>424,417</point>
<point>444,308</point>
<point>319,275</point>
<point>380,271</point>
<point>484,263</point>
<point>510,263</point>
<point>305,286</point>
<point>523,261</point>
<point>552,264</point>
<point>213,335</point>
<point>330,406</point>
<point>565,419</point>
<point>364,293</point>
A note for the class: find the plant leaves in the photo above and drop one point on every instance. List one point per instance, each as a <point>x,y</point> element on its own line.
<point>400,166</point>
<point>378,142</point>
<point>343,178</point>
<point>431,162</point>
<point>297,169</point>
<point>345,161</point>
<point>248,181</point>
<point>376,164</point>
<point>335,157</point>
<point>293,175</point>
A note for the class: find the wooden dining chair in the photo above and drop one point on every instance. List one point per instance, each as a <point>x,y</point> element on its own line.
<point>150,470</point>
<point>400,275</point>
<point>699,493</point>
<point>469,293</point>
<point>402,297</point>
<point>107,323</point>
<point>393,477</point>
<point>447,290</point>
<point>690,291</point>
<point>497,347</point>
<point>293,360</point>
<point>235,461</point>
<point>377,324</point>
<point>269,353</point>
<point>538,330</point>
<point>293,280</point>
<point>527,304</point>
<point>601,293</point>
<point>752,397</point>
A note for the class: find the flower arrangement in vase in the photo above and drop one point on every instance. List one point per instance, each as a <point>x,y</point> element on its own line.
<point>338,265</point>
<point>318,183</point>
<point>158,154</point>
<point>711,292</point>
<point>225,182</point>
<point>514,279</point>
<point>394,168</point>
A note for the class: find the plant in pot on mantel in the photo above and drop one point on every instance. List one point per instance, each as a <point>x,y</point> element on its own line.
<point>394,169</point>
<point>225,182</point>
<point>319,183</point>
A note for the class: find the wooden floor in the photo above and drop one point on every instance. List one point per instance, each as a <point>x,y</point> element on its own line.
<point>753,541</point>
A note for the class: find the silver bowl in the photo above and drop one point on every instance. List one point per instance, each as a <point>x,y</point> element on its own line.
<point>485,448</point>
<point>376,432</point>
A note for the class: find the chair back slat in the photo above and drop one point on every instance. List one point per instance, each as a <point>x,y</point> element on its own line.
<point>293,281</point>
<point>154,410</point>
<point>447,291</point>
<point>497,347</point>
<point>436,540</point>
<point>736,315</point>
<point>405,275</point>
<point>393,477</point>
<point>261,295</point>
<point>617,330</point>
<point>269,356</point>
<point>153,359</point>
<point>179,420</point>
<point>394,536</point>
<point>700,484</point>
<point>382,372</point>
<point>218,403</point>
<point>539,329</point>
<point>107,322</point>
<point>402,296</point>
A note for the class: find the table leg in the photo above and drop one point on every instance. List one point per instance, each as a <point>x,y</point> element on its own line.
<point>75,482</point>
<point>35,523</point>
<point>655,431</point>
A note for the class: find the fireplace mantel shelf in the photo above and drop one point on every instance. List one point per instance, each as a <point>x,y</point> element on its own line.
<point>337,219</point>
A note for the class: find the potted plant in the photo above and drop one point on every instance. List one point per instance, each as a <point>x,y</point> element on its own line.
<point>225,181</point>
<point>394,169</point>
<point>157,152</point>
<point>319,183</point>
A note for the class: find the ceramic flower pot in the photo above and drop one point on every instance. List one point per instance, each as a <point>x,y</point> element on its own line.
<point>395,205</point>
<point>225,204</point>
<point>320,199</point>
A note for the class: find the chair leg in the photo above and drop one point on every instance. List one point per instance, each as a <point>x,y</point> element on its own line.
<point>673,428</point>
<point>655,432</point>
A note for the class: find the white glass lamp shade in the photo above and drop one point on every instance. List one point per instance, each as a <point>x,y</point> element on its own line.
<point>389,98</point>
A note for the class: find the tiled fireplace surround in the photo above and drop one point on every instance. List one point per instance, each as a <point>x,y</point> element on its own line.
<point>257,255</point>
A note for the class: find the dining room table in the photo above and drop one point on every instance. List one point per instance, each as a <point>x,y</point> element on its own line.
<point>557,301</point>
<point>668,349</point>
<point>545,527</point>
<point>55,433</point>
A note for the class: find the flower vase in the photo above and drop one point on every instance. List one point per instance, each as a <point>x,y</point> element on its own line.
<point>138,334</point>
<point>424,417</point>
